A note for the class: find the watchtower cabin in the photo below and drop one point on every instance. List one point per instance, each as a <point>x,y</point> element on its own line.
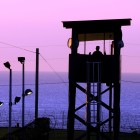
<point>95,72</point>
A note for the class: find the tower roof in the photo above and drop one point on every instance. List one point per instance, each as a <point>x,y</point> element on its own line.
<point>90,27</point>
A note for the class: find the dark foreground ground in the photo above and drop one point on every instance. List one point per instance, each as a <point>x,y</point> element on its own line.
<point>61,135</point>
<point>58,134</point>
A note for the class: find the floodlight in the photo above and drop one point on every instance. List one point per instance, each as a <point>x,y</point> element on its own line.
<point>69,43</point>
<point>28,92</point>
<point>21,59</point>
<point>1,103</point>
<point>17,99</point>
<point>7,65</point>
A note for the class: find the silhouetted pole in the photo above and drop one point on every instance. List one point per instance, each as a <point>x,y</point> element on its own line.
<point>10,103</point>
<point>36,83</point>
<point>22,61</point>
<point>72,88</point>
<point>23,96</point>
<point>88,108</point>
<point>117,37</point>
<point>7,65</point>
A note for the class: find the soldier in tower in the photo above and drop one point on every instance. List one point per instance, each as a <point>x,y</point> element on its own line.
<point>97,54</point>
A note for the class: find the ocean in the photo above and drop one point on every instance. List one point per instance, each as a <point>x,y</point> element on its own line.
<point>53,99</point>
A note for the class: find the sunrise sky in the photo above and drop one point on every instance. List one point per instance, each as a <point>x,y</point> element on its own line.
<point>31,24</point>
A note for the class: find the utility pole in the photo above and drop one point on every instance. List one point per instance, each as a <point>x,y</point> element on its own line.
<point>36,83</point>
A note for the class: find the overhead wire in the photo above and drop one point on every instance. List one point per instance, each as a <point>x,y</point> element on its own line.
<point>136,44</point>
<point>46,60</point>
<point>17,47</point>
<point>51,83</point>
<point>135,82</point>
<point>131,56</point>
<point>47,83</point>
<point>63,82</point>
<point>52,68</point>
<point>14,46</point>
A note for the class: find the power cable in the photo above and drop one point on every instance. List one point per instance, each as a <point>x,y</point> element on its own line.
<point>52,68</point>
<point>136,44</point>
<point>16,47</point>
<point>135,82</point>
<point>55,72</point>
<point>131,56</point>
<point>39,84</point>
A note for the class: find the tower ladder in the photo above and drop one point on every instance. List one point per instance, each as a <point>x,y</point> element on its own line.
<point>93,91</point>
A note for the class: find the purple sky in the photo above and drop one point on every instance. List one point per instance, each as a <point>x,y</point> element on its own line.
<point>32,24</point>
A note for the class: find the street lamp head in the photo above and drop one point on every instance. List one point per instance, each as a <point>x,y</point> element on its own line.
<point>7,65</point>
<point>1,103</point>
<point>17,99</point>
<point>28,92</point>
<point>21,59</point>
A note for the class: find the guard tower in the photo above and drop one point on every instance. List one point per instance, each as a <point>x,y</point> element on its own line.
<point>85,68</point>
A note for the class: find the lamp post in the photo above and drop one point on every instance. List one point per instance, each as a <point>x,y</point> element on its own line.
<point>24,92</point>
<point>7,65</point>
<point>22,60</point>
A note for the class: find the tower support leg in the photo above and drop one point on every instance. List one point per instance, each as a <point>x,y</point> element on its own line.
<point>116,110</point>
<point>71,111</point>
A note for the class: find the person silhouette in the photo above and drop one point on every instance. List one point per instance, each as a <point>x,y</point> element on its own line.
<point>96,68</point>
<point>97,54</point>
